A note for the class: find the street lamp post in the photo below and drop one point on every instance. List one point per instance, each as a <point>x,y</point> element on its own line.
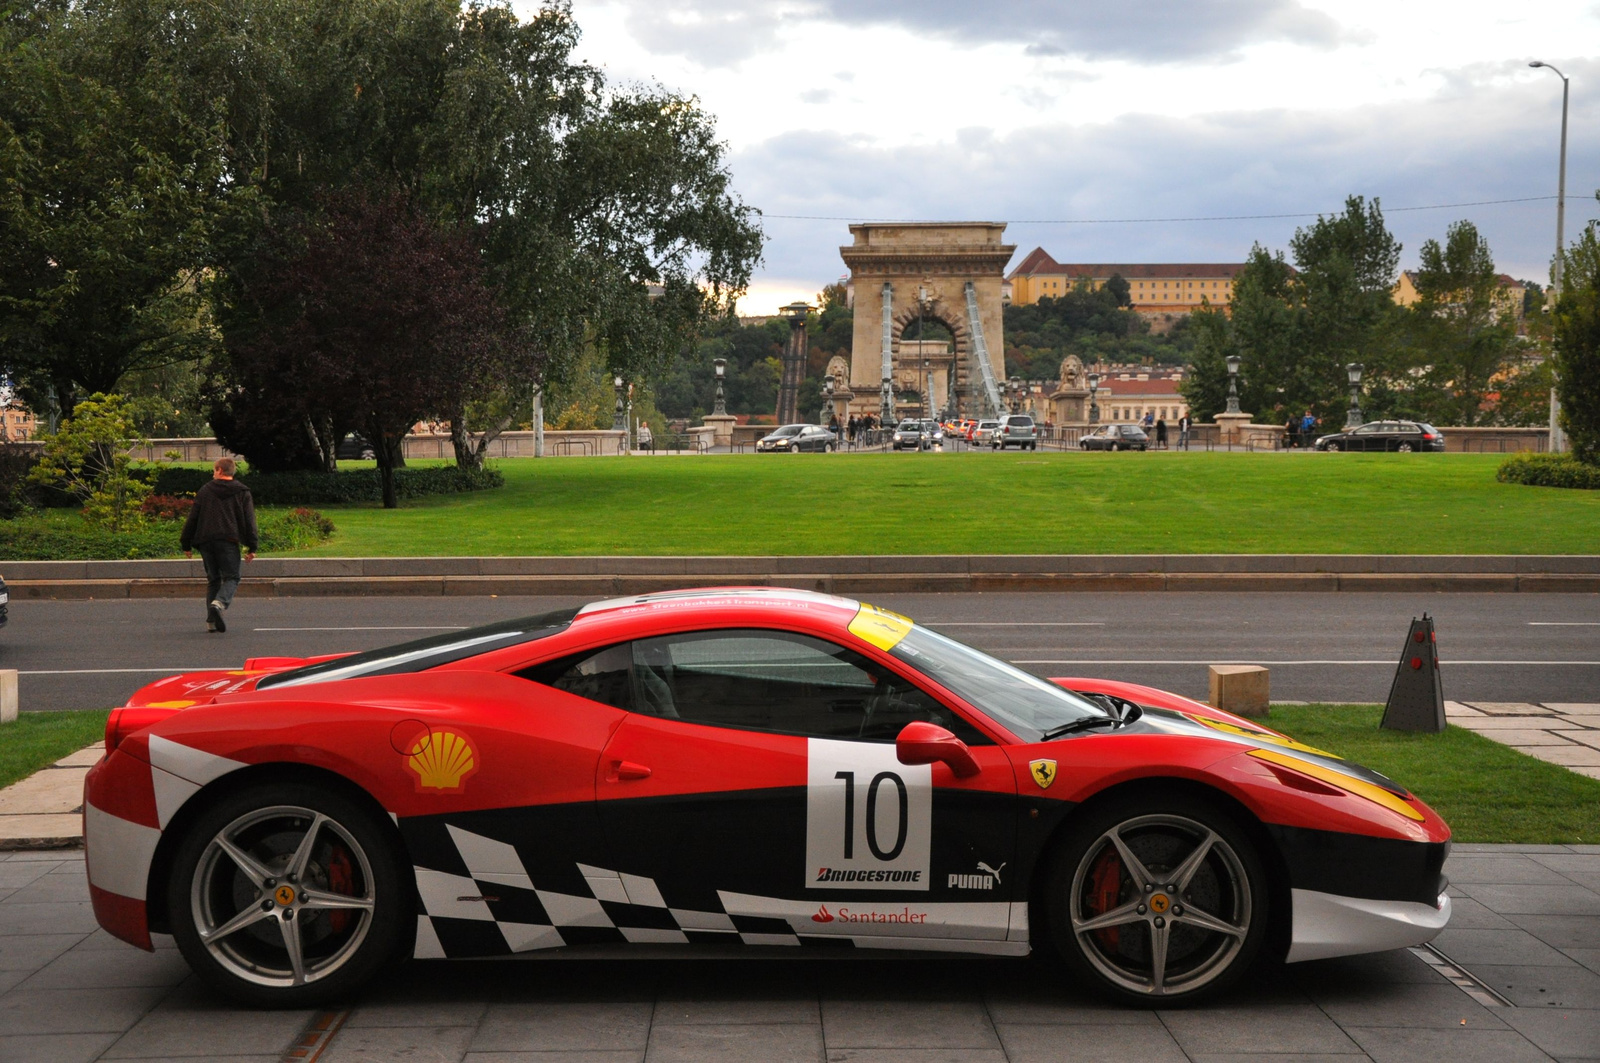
<point>827,400</point>
<point>1094,388</point>
<point>1233,383</point>
<point>1557,442</point>
<point>619,422</point>
<point>1352,417</point>
<point>719,408</point>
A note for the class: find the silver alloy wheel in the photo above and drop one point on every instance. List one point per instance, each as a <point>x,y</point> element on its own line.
<point>1182,905</point>
<point>266,900</point>
<point>1405,448</point>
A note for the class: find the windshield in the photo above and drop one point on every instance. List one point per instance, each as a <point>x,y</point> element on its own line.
<point>1024,704</point>
<point>786,431</point>
<point>426,653</point>
<point>909,426</point>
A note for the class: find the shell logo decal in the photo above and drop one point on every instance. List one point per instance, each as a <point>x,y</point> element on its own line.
<point>442,760</point>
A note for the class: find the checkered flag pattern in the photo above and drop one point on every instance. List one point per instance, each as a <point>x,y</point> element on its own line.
<point>497,908</point>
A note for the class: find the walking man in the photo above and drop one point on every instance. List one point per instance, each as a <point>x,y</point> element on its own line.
<point>223,519</point>
<point>1183,432</point>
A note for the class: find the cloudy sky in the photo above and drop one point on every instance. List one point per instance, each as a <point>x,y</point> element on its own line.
<point>1040,111</point>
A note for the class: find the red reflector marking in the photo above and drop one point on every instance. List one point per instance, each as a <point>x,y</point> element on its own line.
<point>1417,637</point>
<point>1416,662</point>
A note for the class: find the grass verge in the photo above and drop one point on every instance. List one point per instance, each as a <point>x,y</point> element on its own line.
<point>985,503</point>
<point>1487,792</point>
<point>38,739</point>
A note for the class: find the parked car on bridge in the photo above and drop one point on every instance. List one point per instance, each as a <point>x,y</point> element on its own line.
<point>793,438</point>
<point>1016,430</point>
<point>727,767</point>
<point>1116,437</point>
<point>909,435</point>
<point>983,432</point>
<point>1402,436</point>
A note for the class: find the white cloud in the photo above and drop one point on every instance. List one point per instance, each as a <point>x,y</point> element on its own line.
<point>1051,109</point>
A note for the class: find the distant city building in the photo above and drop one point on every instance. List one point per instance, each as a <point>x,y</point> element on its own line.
<point>1128,392</point>
<point>1513,294</point>
<point>1154,288</point>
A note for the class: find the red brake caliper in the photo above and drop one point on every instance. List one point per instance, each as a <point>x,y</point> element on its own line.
<point>1105,890</point>
<point>341,879</point>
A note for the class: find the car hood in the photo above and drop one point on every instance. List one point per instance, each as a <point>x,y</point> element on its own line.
<point>1198,725</point>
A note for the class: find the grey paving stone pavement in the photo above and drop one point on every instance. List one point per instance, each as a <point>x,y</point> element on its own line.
<point>1527,927</point>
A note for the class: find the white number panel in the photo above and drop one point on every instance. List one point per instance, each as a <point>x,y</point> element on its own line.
<point>869,818</point>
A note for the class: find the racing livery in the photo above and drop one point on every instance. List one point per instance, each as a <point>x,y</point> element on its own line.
<point>738,767</point>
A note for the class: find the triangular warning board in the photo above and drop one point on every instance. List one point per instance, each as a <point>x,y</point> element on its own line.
<point>1416,700</point>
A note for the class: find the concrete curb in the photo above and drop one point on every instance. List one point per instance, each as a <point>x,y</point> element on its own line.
<point>849,574</point>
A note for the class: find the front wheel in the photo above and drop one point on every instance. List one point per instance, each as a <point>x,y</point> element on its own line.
<point>1157,899</point>
<point>1335,447</point>
<point>1405,448</point>
<point>288,895</point>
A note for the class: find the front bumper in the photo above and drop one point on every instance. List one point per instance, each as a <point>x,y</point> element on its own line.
<point>1327,925</point>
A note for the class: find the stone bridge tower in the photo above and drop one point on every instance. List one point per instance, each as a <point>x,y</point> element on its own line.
<point>959,268</point>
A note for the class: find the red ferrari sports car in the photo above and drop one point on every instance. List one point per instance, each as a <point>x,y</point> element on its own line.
<point>743,767</point>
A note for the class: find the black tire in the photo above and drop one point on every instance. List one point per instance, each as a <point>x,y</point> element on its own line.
<point>1335,447</point>
<point>343,942</point>
<point>1405,448</point>
<point>1088,879</point>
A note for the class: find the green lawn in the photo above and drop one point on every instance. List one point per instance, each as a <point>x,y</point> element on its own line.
<point>1012,503</point>
<point>1487,792</point>
<point>36,739</point>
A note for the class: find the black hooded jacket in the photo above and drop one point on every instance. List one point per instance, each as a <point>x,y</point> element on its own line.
<point>223,512</point>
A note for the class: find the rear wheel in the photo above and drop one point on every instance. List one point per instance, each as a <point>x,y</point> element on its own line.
<point>1405,448</point>
<point>1160,898</point>
<point>287,895</point>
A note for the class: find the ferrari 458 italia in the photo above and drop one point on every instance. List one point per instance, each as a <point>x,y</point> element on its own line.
<point>747,768</point>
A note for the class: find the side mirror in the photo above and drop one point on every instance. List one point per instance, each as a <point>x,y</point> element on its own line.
<point>920,742</point>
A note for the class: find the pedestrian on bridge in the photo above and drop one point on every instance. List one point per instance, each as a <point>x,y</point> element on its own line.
<point>222,520</point>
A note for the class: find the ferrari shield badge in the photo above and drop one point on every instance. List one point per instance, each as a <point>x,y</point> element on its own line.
<point>442,760</point>
<point>1043,771</point>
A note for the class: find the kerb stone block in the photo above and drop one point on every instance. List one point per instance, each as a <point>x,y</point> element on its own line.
<point>1240,689</point>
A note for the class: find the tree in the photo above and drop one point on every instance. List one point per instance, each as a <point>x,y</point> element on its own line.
<point>1465,329</point>
<point>88,457</point>
<point>1576,341</point>
<point>110,187</point>
<point>1118,288</point>
<point>605,219</point>
<point>375,315</point>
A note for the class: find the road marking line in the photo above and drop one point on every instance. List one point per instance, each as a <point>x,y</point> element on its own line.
<point>1257,660</point>
<point>986,623</point>
<point>408,627</point>
<point>1564,623</point>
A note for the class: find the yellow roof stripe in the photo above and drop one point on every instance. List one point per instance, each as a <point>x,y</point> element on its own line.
<point>879,626</point>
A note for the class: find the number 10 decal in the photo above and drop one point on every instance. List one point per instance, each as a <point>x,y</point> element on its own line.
<point>869,818</point>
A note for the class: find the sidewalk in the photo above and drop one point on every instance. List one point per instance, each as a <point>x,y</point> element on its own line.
<point>44,811</point>
<point>841,574</point>
<point>1561,733</point>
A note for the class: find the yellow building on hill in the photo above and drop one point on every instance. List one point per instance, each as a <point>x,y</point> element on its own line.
<point>1155,288</point>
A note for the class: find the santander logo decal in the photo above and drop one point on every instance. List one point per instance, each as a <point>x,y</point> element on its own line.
<point>846,915</point>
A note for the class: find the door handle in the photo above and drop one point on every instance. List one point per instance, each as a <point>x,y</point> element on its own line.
<point>627,770</point>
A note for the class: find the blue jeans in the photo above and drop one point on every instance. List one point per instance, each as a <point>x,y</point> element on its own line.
<point>222,570</point>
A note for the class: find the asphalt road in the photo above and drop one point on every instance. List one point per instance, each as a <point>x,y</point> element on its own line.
<point>1320,647</point>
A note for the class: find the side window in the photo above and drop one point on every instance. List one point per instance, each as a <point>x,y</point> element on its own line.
<point>781,682</point>
<point>605,676</point>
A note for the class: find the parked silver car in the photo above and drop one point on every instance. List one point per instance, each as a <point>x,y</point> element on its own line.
<point>983,435</point>
<point>910,435</point>
<point>1016,430</point>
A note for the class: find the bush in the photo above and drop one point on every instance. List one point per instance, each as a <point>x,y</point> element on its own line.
<point>1550,470</point>
<point>68,537</point>
<point>166,507</point>
<point>335,488</point>
<point>18,493</point>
